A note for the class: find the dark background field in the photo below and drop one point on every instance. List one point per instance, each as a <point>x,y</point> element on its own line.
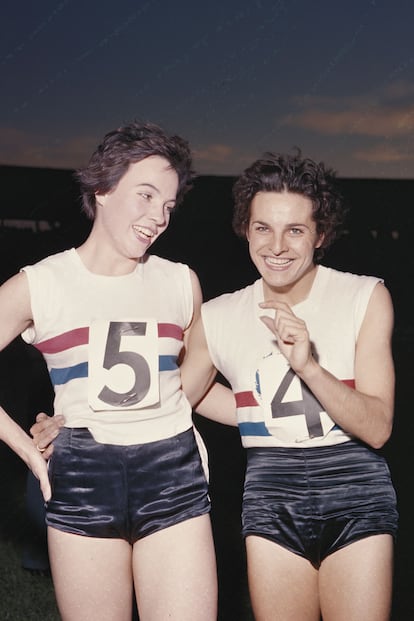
<point>378,241</point>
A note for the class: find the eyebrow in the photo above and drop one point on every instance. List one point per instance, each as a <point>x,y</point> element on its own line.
<point>147,185</point>
<point>293,224</point>
<point>287,226</point>
<point>154,187</point>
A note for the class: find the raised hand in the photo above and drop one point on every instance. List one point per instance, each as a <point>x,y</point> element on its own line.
<point>291,333</point>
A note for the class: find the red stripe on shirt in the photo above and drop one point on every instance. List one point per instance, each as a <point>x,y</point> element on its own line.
<point>80,336</point>
<point>350,383</point>
<point>246,399</point>
<point>170,330</point>
<point>73,338</point>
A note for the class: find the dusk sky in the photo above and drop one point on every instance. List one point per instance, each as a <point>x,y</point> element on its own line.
<point>234,77</point>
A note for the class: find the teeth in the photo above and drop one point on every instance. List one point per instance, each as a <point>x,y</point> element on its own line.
<point>143,230</point>
<point>277,262</point>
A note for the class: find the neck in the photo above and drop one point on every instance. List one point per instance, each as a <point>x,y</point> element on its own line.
<point>295,292</point>
<point>103,261</point>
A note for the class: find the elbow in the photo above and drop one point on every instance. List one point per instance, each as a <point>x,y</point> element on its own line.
<point>378,443</point>
<point>380,424</point>
<point>381,437</point>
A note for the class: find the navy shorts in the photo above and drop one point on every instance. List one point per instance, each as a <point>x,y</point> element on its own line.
<point>124,492</point>
<point>315,501</point>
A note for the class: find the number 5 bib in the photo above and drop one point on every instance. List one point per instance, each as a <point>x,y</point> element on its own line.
<point>123,364</point>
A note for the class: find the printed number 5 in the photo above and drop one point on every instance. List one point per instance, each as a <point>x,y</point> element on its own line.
<point>113,356</point>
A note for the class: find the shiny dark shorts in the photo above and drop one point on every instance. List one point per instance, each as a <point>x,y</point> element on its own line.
<point>124,492</point>
<point>315,501</point>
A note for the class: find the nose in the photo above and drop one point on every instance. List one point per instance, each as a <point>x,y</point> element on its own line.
<point>157,213</point>
<point>278,243</point>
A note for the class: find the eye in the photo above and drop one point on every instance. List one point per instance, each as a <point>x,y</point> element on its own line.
<point>261,228</point>
<point>146,196</point>
<point>295,231</point>
<point>170,207</point>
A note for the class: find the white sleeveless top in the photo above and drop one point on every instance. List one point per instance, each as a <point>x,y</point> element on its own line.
<point>274,407</point>
<point>111,345</point>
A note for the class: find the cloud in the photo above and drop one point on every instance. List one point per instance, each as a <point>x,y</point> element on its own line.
<point>214,153</point>
<point>399,89</point>
<point>213,157</point>
<point>382,153</point>
<point>21,148</point>
<point>388,114</point>
<point>370,120</point>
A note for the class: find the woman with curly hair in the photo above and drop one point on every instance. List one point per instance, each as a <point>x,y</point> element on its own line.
<point>306,350</point>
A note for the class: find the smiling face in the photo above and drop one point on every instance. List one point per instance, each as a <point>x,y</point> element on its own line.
<point>133,215</point>
<point>282,238</point>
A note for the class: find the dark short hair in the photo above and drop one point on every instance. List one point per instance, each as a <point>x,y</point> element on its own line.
<point>278,172</point>
<point>127,145</point>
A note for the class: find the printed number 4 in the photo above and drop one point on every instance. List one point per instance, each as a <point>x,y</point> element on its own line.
<point>309,406</point>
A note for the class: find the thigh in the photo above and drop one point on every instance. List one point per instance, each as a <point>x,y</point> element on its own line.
<point>282,585</point>
<point>92,577</point>
<point>175,573</point>
<point>356,581</point>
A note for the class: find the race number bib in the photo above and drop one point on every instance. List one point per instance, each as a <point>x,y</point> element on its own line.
<point>291,411</point>
<point>123,364</point>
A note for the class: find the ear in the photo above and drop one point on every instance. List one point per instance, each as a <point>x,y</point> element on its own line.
<point>320,240</point>
<point>100,199</point>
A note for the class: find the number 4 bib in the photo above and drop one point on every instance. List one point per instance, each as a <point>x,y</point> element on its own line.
<point>291,411</point>
<point>123,364</point>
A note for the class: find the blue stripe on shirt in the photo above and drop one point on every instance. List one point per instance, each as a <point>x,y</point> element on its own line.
<point>62,376</point>
<point>253,429</point>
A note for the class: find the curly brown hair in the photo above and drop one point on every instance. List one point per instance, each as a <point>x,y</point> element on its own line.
<point>278,172</point>
<point>127,145</point>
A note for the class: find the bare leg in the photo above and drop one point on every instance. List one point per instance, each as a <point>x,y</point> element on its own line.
<point>92,577</point>
<point>283,586</point>
<point>175,573</point>
<point>356,581</point>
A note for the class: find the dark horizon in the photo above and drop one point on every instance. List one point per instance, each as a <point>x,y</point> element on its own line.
<point>376,241</point>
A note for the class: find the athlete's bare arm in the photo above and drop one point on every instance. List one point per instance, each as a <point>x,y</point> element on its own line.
<point>366,411</point>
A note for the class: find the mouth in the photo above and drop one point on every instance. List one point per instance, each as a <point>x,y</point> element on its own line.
<point>278,263</point>
<point>143,232</point>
